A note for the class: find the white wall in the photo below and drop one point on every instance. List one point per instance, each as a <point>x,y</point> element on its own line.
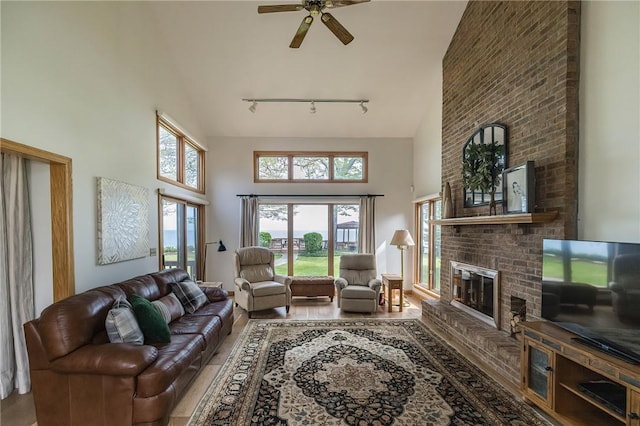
<point>230,173</point>
<point>84,80</point>
<point>609,148</point>
<point>427,146</point>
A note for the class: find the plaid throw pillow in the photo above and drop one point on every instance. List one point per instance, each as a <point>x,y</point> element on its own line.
<point>121,324</point>
<point>169,307</point>
<point>190,295</point>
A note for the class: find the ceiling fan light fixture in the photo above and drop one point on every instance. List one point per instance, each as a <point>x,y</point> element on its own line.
<point>253,106</point>
<point>364,108</point>
<point>312,110</point>
<point>315,8</point>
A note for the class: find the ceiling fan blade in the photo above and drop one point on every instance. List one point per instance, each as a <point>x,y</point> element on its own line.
<point>280,8</point>
<point>332,4</point>
<point>302,32</point>
<point>336,28</point>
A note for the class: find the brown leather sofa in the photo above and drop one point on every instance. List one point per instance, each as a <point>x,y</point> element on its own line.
<point>79,378</point>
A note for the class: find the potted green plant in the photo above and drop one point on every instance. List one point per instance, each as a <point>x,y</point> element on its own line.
<point>482,168</point>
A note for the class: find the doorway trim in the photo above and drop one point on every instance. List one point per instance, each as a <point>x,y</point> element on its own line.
<point>61,213</point>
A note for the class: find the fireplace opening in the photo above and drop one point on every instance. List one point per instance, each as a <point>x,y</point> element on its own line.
<point>476,290</point>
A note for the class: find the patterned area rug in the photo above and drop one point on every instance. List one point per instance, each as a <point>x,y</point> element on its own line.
<point>353,372</point>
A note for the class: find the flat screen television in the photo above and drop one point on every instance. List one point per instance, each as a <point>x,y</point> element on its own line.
<point>592,288</point>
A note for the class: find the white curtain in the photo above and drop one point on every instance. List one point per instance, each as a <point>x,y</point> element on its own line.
<point>367,231</point>
<point>249,221</point>
<point>16,279</point>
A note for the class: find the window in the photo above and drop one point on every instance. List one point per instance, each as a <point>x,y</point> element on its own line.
<point>280,166</point>
<point>180,232</point>
<point>180,159</point>
<point>429,248</point>
<point>308,239</point>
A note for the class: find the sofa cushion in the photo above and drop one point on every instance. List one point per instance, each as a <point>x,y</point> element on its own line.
<point>173,360</point>
<point>256,273</point>
<point>151,323</point>
<point>75,321</point>
<point>222,309</point>
<point>207,326</point>
<point>189,294</point>
<point>144,286</point>
<point>121,324</point>
<point>355,276</point>
<point>357,292</point>
<point>267,288</point>
<point>169,307</point>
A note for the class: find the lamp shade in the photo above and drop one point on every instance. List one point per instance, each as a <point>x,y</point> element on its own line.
<point>402,237</point>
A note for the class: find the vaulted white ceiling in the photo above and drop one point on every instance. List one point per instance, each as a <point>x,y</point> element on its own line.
<point>227,52</point>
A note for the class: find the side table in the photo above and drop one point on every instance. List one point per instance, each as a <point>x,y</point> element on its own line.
<point>393,282</point>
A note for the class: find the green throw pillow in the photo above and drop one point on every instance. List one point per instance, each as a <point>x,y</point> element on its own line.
<point>153,326</point>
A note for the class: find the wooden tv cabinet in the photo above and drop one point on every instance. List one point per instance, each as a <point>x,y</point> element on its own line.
<point>552,367</point>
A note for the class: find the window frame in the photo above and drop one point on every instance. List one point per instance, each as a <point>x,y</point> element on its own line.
<point>182,141</point>
<point>429,286</point>
<point>200,234</point>
<point>331,227</point>
<point>330,155</point>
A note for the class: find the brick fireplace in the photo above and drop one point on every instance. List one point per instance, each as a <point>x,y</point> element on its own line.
<point>514,63</point>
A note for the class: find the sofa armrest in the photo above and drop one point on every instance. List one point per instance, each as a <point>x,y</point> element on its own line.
<point>242,284</point>
<point>215,294</point>
<point>375,284</point>
<point>110,359</point>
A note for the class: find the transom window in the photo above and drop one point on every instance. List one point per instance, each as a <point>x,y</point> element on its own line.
<point>284,166</point>
<point>180,159</point>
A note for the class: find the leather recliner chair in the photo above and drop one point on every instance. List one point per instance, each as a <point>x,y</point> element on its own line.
<point>258,287</point>
<point>358,289</point>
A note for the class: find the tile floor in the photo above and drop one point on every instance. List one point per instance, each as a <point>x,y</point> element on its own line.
<point>18,410</point>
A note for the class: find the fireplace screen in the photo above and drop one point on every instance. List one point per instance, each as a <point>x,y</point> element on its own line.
<point>476,290</point>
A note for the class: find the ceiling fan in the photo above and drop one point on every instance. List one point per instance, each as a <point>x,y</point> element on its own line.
<point>315,8</point>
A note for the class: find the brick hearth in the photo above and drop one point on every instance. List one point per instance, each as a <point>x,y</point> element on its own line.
<point>494,347</point>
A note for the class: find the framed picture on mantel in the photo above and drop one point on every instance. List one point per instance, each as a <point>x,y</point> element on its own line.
<point>519,188</point>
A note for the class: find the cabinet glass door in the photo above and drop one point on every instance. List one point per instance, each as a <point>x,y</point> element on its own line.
<point>539,368</point>
<point>634,412</point>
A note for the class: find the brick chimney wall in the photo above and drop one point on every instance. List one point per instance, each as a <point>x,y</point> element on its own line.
<point>514,63</point>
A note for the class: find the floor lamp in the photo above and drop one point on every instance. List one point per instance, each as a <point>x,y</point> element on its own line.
<point>221,247</point>
<point>402,239</point>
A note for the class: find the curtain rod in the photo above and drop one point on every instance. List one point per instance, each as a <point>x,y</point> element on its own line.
<point>310,195</point>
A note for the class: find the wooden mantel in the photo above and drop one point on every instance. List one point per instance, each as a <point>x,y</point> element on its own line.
<point>502,219</point>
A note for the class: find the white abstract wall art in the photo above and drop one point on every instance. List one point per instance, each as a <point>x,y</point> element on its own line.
<point>123,221</point>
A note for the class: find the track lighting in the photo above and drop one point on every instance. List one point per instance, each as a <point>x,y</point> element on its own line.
<point>312,109</point>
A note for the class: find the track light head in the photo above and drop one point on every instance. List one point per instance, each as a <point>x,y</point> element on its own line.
<point>312,110</point>
<point>364,108</point>
<point>253,106</point>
